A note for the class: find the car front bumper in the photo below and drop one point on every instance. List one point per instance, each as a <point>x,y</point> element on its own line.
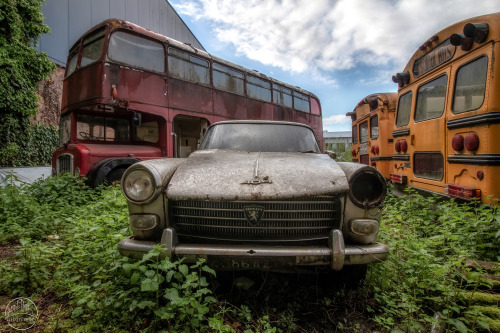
<point>227,256</point>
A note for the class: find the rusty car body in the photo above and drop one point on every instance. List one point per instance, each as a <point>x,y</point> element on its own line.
<point>256,195</point>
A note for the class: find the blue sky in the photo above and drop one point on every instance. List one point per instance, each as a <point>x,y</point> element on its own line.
<point>341,50</point>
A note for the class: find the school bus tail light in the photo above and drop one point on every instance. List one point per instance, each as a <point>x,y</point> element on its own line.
<point>398,179</point>
<point>404,146</point>
<point>457,143</point>
<point>471,142</point>
<point>353,153</point>
<point>463,192</point>
<point>477,31</point>
<point>397,146</point>
<point>374,149</point>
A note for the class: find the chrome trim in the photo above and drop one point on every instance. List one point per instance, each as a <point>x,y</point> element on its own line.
<point>338,250</point>
<point>337,254</point>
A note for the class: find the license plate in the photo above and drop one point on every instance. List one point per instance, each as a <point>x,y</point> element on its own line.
<point>257,263</point>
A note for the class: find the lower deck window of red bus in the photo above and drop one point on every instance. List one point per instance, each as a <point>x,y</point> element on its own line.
<point>428,165</point>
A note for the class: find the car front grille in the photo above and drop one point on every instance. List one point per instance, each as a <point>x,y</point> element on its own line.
<point>298,219</point>
<point>64,163</point>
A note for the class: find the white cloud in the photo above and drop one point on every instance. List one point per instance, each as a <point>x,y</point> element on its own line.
<point>336,119</point>
<point>322,36</point>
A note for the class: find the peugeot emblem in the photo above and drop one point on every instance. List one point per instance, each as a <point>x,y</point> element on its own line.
<point>253,214</point>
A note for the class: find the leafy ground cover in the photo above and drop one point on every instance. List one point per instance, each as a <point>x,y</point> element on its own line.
<point>58,248</point>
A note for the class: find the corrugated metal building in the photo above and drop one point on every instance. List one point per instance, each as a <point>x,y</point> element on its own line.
<point>337,141</point>
<point>69,19</point>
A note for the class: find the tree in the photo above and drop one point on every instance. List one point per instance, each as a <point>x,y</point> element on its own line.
<point>21,68</point>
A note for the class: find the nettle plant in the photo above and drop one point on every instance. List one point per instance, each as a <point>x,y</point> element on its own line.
<point>423,281</point>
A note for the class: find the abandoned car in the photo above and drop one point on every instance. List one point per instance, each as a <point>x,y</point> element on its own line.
<point>257,195</point>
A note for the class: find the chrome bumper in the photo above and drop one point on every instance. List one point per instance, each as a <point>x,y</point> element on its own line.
<point>336,255</point>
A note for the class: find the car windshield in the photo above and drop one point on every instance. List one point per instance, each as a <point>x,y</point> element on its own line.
<point>261,137</point>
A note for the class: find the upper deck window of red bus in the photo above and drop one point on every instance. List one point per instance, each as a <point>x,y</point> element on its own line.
<point>282,95</point>
<point>430,99</point>
<point>354,134</point>
<point>374,127</point>
<point>92,48</point>
<point>187,67</point>
<point>72,60</point>
<point>363,132</point>
<point>136,51</point>
<point>470,86</point>
<point>315,108</point>
<point>228,79</point>
<point>258,88</point>
<point>301,102</point>
<point>404,109</point>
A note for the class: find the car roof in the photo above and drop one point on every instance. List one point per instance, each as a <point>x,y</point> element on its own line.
<point>263,122</point>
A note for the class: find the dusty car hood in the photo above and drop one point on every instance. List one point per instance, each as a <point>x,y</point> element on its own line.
<point>234,175</point>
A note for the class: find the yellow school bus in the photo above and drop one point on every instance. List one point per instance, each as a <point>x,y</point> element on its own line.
<point>372,123</point>
<point>447,127</point>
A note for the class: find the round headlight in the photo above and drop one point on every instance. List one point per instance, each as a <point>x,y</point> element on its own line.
<point>368,188</point>
<point>139,185</point>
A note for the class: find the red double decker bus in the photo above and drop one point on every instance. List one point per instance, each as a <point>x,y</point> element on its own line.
<point>130,94</point>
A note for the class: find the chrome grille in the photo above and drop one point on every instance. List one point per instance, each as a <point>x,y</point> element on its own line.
<point>295,219</point>
<point>64,163</point>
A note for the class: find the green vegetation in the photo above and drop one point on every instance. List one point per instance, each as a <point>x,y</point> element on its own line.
<point>21,68</point>
<point>58,247</point>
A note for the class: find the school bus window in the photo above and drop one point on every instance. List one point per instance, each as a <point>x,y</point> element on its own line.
<point>258,88</point>
<point>148,132</point>
<point>300,102</point>
<point>228,79</point>
<point>184,66</point>
<point>470,86</point>
<point>430,99</point>
<point>404,109</point>
<point>73,58</point>
<point>363,132</point>
<point>428,165</point>
<point>374,127</point>
<point>354,134</point>
<point>137,52</point>
<point>282,95</point>
<point>92,48</point>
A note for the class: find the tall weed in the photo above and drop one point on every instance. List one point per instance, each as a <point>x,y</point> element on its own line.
<point>429,239</point>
